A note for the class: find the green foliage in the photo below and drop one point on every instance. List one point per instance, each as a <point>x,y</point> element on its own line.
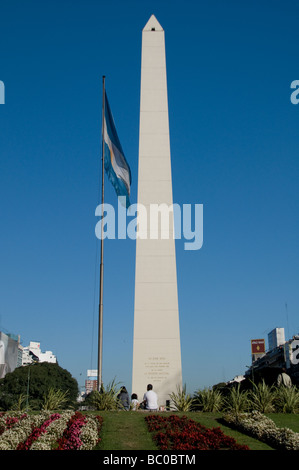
<point>181,401</point>
<point>105,399</point>
<point>54,399</point>
<point>262,397</point>
<point>287,399</point>
<point>208,400</point>
<point>237,400</point>
<point>21,404</point>
<point>38,378</point>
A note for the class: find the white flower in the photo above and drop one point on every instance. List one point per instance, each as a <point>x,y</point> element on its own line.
<point>54,431</point>
<point>89,434</point>
<point>265,429</point>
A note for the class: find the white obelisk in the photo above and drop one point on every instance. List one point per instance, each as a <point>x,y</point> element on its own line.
<point>156,349</point>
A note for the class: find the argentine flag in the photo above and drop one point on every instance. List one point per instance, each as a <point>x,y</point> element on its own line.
<point>116,166</point>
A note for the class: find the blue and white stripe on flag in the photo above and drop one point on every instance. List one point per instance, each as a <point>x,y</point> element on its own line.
<point>116,166</point>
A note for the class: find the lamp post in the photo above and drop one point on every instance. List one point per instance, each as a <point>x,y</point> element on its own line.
<point>252,372</point>
<point>28,383</point>
<point>27,396</point>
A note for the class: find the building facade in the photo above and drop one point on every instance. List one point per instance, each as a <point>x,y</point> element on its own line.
<point>9,353</point>
<point>33,353</point>
<point>276,338</point>
<point>280,354</point>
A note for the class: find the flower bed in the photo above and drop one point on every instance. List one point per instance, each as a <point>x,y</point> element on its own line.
<point>45,431</point>
<point>36,432</point>
<point>8,421</point>
<point>259,426</point>
<point>175,433</point>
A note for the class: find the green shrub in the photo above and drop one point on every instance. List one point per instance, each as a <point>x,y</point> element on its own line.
<point>21,404</point>
<point>105,399</point>
<point>262,397</point>
<point>54,399</point>
<point>208,400</point>
<point>287,399</point>
<point>181,401</point>
<point>237,400</point>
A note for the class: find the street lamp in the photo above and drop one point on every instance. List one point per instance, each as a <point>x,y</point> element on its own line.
<point>28,382</point>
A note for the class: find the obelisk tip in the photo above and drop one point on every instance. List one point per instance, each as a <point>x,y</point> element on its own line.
<point>153,25</point>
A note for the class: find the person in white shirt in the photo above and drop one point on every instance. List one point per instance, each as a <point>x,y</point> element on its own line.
<point>134,402</point>
<point>150,399</point>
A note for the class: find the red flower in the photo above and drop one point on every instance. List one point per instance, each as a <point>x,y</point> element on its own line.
<point>70,439</point>
<point>36,432</point>
<point>180,433</point>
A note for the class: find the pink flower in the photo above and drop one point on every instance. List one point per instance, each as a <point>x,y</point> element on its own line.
<point>36,432</point>
<point>70,439</point>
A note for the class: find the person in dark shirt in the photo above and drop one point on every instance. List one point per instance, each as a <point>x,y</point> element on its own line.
<point>124,398</point>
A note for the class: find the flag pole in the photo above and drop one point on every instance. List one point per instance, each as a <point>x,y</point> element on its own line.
<point>100,336</point>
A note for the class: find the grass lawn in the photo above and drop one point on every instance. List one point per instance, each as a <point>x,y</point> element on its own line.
<point>125,430</point>
<point>284,420</point>
<point>212,420</point>
<point>128,430</point>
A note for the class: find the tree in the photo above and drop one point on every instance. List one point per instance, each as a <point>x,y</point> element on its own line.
<point>35,381</point>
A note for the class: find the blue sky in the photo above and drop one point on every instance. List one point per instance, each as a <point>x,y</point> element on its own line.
<point>234,148</point>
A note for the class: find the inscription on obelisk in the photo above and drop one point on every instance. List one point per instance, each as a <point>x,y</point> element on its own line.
<point>156,348</point>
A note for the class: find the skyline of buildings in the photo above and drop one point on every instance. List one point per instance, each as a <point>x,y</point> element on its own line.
<point>279,353</point>
<point>13,354</point>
